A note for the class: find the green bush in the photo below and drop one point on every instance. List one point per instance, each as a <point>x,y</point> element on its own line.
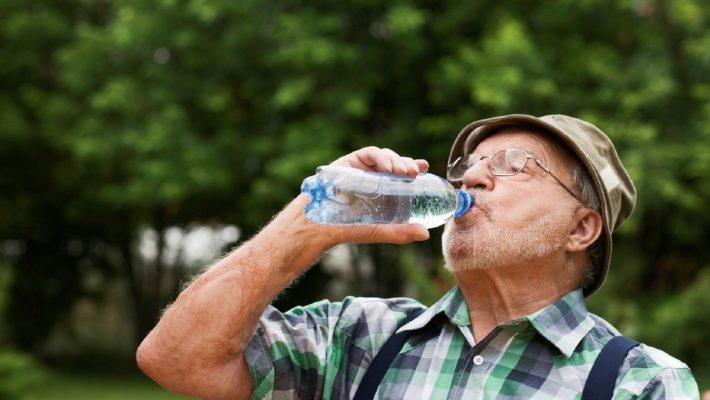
<point>18,374</point>
<point>685,314</point>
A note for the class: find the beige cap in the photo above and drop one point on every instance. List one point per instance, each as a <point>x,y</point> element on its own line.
<point>616,192</point>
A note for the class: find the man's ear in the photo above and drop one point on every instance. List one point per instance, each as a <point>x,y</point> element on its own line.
<point>587,230</point>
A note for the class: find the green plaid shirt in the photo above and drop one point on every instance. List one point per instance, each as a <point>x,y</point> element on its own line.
<point>322,351</point>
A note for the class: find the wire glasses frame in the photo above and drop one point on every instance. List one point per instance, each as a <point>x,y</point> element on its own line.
<point>506,162</point>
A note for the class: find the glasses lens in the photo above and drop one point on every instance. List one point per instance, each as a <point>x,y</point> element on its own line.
<point>456,170</point>
<point>508,162</point>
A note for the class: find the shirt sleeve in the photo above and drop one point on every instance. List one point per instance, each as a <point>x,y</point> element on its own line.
<point>287,353</point>
<point>649,373</point>
<point>672,383</point>
<point>298,353</point>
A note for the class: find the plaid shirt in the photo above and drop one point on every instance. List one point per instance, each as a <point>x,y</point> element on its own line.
<point>322,351</point>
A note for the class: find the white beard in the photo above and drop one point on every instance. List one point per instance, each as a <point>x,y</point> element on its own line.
<point>469,246</point>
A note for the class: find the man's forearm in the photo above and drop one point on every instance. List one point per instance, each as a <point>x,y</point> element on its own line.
<point>214,317</point>
<point>197,346</point>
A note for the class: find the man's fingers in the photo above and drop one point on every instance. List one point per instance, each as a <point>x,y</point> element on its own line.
<point>368,158</point>
<point>408,166</point>
<point>382,160</point>
<point>390,161</point>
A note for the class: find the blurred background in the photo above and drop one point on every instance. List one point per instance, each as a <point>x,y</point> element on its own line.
<point>141,139</point>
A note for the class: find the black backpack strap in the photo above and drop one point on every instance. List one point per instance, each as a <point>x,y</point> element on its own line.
<point>382,361</point>
<point>602,378</point>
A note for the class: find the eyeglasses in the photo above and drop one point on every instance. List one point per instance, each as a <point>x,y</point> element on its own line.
<point>507,162</point>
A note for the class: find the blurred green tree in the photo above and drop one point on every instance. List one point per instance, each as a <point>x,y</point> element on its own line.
<point>36,235</point>
<point>120,115</point>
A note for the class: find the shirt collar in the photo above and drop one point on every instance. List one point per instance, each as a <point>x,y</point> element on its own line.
<point>563,323</point>
<point>452,304</point>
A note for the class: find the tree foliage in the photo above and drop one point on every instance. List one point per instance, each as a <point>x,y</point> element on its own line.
<point>116,115</point>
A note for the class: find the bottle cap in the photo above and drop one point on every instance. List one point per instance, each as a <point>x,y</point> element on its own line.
<point>465,202</point>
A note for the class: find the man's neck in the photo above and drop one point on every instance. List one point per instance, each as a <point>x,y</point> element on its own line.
<point>497,295</point>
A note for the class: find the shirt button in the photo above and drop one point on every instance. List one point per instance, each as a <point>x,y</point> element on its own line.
<point>478,360</point>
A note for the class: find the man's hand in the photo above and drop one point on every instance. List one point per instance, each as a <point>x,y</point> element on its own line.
<point>382,160</point>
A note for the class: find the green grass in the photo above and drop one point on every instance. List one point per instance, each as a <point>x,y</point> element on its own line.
<point>75,386</point>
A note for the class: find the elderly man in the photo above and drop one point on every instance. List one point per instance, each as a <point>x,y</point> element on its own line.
<point>549,192</point>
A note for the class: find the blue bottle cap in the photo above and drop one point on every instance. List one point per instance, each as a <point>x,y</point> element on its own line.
<point>466,201</point>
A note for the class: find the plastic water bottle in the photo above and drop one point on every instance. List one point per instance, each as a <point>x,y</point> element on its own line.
<point>343,196</point>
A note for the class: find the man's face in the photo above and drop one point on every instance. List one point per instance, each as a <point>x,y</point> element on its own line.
<point>515,218</point>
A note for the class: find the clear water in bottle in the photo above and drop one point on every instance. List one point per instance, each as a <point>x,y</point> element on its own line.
<point>342,195</point>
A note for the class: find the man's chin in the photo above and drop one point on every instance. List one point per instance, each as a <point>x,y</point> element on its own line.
<point>463,263</point>
<point>455,267</point>
<point>461,255</point>
<point>457,247</point>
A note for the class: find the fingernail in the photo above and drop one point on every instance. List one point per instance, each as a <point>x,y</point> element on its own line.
<point>423,234</point>
<point>423,237</point>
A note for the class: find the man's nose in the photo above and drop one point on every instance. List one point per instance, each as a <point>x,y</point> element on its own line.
<point>479,176</point>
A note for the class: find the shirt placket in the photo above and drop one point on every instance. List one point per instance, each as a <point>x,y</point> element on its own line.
<point>473,370</point>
